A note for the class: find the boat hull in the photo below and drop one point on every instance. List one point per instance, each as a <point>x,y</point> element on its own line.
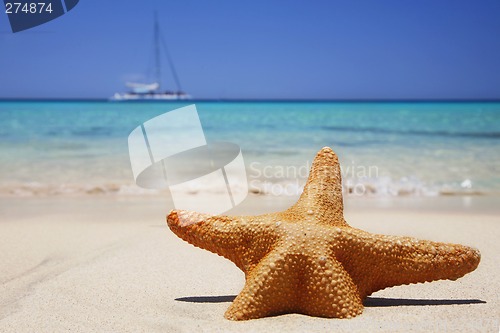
<point>149,97</point>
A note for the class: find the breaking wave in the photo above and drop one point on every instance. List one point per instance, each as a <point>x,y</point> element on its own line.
<point>381,187</point>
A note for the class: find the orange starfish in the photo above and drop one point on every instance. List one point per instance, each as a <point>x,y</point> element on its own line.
<point>308,260</point>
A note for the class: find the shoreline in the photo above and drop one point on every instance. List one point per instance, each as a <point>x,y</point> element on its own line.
<point>465,203</point>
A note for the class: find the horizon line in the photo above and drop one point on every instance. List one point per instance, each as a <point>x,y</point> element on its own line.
<point>269,100</point>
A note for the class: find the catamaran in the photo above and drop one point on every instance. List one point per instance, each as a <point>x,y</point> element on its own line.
<point>153,91</point>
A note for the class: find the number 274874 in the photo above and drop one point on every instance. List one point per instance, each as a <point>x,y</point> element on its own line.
<point>27,8</point>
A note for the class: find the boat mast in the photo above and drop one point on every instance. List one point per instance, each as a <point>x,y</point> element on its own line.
<point>171,65</point>
<point>157,51</point>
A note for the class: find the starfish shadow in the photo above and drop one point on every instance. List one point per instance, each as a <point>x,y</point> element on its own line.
<point>384,302</point>
<point>207,299</point>
<point>369,302</point>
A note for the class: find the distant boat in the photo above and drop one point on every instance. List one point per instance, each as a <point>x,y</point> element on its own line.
<point>153,91</point>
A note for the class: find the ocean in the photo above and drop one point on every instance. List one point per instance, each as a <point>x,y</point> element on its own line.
<point>385,149</point>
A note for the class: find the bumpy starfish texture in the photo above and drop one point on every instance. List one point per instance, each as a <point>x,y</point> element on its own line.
<point>308,260</point>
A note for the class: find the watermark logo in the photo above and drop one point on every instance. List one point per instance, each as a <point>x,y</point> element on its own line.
<point>170,151</point>
<point>278,180</point>
<point>25,14</point>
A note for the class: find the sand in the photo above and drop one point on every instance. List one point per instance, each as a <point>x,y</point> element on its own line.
<point>108,264</point>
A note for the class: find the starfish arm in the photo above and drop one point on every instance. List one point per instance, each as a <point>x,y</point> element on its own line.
<point>270,289</point>
<point>329,290</point>
<point>376,262</point>
<point>243,240</point>
<point>321,199</point>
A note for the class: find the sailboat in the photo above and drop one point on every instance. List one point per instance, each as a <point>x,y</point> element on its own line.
<point>153,91</point>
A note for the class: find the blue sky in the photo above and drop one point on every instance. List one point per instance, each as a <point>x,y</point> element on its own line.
<point>350,49</point>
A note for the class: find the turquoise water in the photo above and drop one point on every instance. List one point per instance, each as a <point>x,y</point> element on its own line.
<point>51,148</point>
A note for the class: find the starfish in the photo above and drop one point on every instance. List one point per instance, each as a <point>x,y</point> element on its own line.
<point>308,260</point>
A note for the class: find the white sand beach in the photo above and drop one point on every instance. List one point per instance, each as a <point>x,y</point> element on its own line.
<point>110,264</point>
